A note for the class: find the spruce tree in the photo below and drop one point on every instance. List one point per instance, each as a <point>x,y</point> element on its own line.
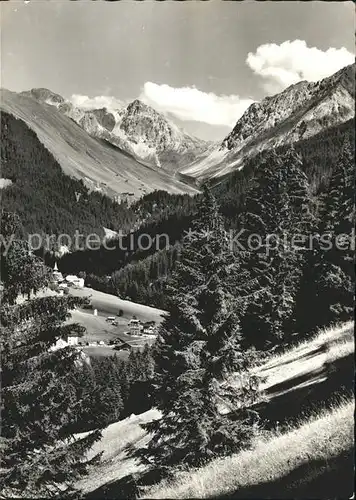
<point>40,457</point>
<point>327,291</point>
<point>278,206</point>
<point>197,351</point>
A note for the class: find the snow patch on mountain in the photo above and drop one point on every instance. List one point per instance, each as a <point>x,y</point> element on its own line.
<point>200,166</point>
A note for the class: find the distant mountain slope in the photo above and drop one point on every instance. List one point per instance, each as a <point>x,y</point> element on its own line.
<point>136,128</point>
<point>99,165</point>
<point>299,112</point>
<point>47,200</point>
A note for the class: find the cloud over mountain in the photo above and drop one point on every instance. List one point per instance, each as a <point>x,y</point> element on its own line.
<point>292,61</point>
<point>191,104</point>
<point>98,102</point>
<point>277,65</point>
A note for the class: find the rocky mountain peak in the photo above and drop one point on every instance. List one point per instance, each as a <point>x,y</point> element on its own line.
<point>138,106</point>
<point>272,111</point>
<point>45,96</point>
<point>301,111</point>
<point>105,118</point>
<point>137,129</point>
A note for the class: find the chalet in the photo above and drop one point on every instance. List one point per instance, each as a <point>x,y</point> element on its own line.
<point>135,326</point>
<point>121,345</point>
<point>149,330</point>
<point>70,340</point>
<point>75,281</point>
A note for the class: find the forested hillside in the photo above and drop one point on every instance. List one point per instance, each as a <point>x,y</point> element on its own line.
<point>141,274</point>
<point>319,155</point>
<point>47,200</point>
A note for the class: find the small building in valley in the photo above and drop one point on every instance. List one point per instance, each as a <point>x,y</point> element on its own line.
<point>57,275</point>
<point>135,326</point>
<point>70,340</point>
<point>121,345</point>
<point>73,280</point>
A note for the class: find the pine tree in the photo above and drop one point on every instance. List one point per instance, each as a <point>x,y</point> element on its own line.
<point>40,457</point>
<point>327,292</point>
<point>197,350</point>
<point>278,206</point>
<point>107,404</point>
<point>82,382</point>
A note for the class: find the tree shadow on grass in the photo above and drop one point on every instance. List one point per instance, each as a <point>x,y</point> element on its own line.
<point>289,401</point>
<point>318,479</point>
<point>127,488</point>
<point>302,356</point>
<point>301,396</point>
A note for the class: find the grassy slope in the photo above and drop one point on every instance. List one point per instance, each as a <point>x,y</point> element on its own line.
<point>306,457</point>
<point>308,377</point>
<point>283,466</point>
<point>317,436</point>
<point>117,440</point>
<point>84,157</point>
<point>308,357</point>
<point>107,305</point>
<point>110,305</point>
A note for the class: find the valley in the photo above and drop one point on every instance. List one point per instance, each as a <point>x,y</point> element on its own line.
<point>100,166</point>
<point>99,330</point>
<point>202,346</point>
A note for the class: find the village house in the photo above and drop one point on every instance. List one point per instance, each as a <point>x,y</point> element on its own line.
<point>73,280</point>
<point>70,340</point>
<point>121,345</point>
<point>70,280</point>
<point>149,330</point>
<point>135,326</point>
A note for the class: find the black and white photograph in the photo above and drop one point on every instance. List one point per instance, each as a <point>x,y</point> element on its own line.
<point>177,249</point>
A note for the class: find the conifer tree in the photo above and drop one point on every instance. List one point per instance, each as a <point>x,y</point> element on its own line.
<point>107,404</point>
<point>197,350</point>
<point>277,207</point>
<point>40,457</point>
<point>327,291</point>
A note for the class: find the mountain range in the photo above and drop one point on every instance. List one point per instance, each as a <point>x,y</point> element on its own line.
<point>101,165</point>
<point>299,112</point>
<point>132,149</point>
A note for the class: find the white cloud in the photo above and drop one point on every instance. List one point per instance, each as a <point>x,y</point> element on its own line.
<point>85,102</point>
<point>189,103</point>
<point>292,61</point>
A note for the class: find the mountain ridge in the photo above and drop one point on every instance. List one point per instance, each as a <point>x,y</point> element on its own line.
<point>82,156</point>
<point>300,111</point>
<point>136,128</point>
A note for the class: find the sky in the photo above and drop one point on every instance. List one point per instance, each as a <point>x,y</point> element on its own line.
<point>200,63</point>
